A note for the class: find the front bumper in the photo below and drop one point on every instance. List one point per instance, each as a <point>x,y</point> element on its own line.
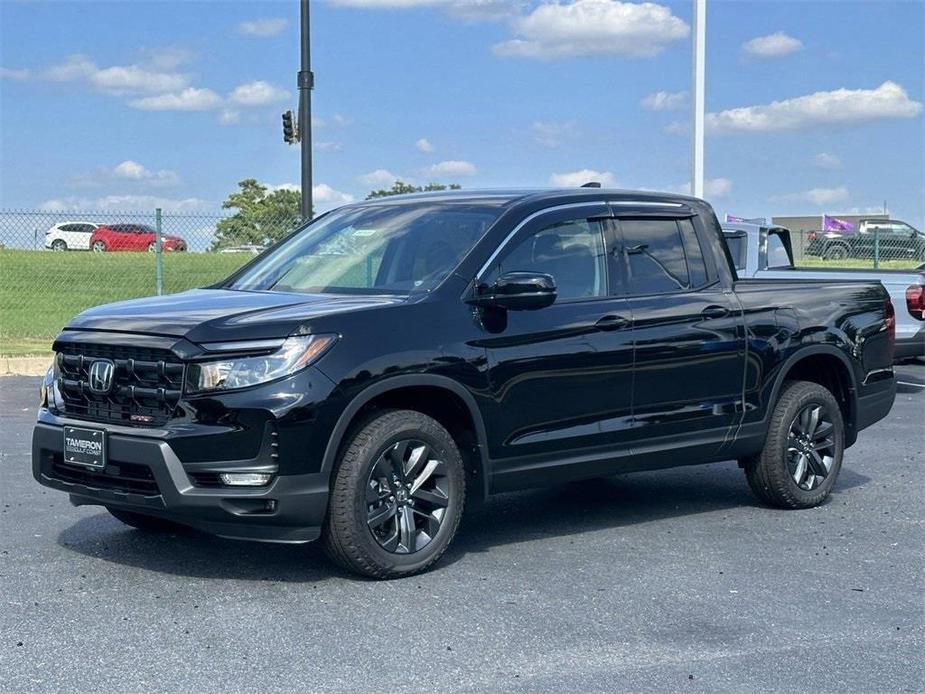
<point>143,474</point>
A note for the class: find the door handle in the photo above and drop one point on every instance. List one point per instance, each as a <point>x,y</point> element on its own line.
<point>714,312</point>
<point>612,322</point>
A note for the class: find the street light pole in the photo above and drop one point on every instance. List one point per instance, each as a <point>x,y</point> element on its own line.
<point>306,83</point>
<point>698,69</point>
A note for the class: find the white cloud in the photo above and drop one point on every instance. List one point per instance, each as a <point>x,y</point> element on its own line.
<point>117,79</point>
<point>665,101</point>
<point>551,133</point>
<point>889,100</point>
<point>167,57</point>
<point>594,27</point>
<point>133,171</point>
<point>424,145</point>
<point>336,121</point>
<point>816,196</point>
<point>452,167</point>
<point>128,171</point>
<point>379,177</point>
<point>190,99</point>
<point>263,27</point>
<point>824,160</point>
<point>772,46</point>
<point>323,194</point>
<point>229,117</point>
<point>17,75</point>
<point>826,196</point>
<point>259,93</point>
<point>712,188</point>
<point>385,4</point>
<point>127,203</point>
<point>576,179</point>
<point>484,10</point>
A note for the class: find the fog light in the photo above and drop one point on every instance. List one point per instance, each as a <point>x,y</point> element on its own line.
<point>245,479</point>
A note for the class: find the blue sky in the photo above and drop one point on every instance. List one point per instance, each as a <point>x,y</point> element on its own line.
<point>814,106</point>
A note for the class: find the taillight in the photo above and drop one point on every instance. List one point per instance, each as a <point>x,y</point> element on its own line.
<point>811,236</point>
<point>915,301</point>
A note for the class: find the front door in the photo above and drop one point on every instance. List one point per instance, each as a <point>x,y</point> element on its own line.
<point>560,377</point>
<point>689,337</point>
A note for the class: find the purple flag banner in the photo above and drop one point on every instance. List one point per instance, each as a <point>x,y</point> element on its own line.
<point>835,224</point>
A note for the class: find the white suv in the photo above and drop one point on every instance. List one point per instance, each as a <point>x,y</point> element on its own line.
<point>70,236</point>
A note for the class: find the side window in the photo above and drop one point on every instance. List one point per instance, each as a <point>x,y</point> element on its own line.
<point>696,265</point>
<point>777,252</point>
<point>572,252</point>
<point>738,249</point>
<point>70,227</point>
<point>87,228</point>
<point>654,253</point>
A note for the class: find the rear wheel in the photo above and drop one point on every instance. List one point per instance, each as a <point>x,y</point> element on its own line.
<point>143,522</point>
<point>835,252</point>
<point>397,496</point>
<point>98,247</point>
<point>803,452</point>
<point>58,245</point>
<point>152,247</point>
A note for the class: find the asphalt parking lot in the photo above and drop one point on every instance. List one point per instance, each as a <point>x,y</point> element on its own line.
<point>666,581</point>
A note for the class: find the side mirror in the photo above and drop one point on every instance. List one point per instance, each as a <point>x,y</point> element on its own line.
<point>518,291</point>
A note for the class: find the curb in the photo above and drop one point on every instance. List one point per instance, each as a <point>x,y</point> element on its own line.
<point>24,366</point>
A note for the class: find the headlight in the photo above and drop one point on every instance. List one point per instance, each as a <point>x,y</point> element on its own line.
<point>47,384</point>
<point>242,372</point>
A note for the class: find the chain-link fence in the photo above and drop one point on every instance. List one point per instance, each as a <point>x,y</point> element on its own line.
<point>54,265</point>
<point>886,245</point>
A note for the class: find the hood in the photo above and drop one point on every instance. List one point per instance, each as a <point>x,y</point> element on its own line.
<point>217,315</point>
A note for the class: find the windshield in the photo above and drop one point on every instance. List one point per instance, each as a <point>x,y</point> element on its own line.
<point>382,249</point>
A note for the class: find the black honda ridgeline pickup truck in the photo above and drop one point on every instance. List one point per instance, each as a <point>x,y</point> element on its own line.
<point>368,375</point>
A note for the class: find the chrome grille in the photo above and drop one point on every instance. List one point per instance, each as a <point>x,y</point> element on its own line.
<point>147,384</point>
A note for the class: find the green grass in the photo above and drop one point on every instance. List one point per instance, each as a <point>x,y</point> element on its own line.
<point>858,263</point>
<point>40,291</point>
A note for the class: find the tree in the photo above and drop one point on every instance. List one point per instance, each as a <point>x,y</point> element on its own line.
<point>401,188</point>
<point>261,217</point>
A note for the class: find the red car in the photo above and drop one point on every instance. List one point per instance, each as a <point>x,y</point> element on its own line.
<point>131,237</point>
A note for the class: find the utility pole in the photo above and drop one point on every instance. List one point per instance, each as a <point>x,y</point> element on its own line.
<point>306,83</point>
<point>698,70</point>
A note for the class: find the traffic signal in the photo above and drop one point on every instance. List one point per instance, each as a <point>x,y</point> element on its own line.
<point>290,128</point>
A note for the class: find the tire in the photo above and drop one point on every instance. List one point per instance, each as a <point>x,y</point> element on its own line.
<point>773,475</point>
<point>140,521</point>
<point>98,247</point>
<point>59,245</point>
<point>835,252</point>
<point>377,505</point>
<point>152,247</point>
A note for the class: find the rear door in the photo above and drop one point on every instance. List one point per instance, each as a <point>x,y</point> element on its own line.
<point>688,335</point>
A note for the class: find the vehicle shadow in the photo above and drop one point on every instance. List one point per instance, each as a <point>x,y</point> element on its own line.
<point>563,510</point>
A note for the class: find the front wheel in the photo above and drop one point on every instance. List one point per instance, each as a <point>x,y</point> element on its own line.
<point>98,247</point>
<point>58,245</point>
<point>397,496</point>
<point>835,252</point>
<point>803,452</point>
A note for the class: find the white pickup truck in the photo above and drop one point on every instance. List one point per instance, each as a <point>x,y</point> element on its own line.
<point>766,252</point>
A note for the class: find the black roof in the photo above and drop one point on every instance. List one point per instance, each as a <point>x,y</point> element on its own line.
<point>511,196</point>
